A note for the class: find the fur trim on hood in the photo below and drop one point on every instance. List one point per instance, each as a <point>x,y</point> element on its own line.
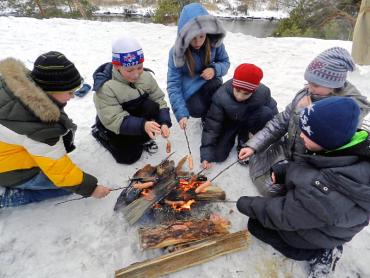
<point>195,20</point>
<point>14,74</point>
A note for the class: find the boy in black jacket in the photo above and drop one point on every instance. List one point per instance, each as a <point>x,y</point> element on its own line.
<point>242,106</point>
<point>327,199</point>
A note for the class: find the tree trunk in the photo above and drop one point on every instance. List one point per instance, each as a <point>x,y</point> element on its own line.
<point>42,12</point>
<point>79,8</point>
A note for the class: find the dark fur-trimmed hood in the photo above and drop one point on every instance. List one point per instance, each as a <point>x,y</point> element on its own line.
<point>15,75</point>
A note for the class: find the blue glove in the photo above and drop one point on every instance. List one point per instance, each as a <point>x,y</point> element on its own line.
<point>83,90</point>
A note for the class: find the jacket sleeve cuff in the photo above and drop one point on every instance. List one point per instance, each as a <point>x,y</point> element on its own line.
<point>87,186</point>
<point>132,125</point>
<point>164,117</point>
<point>243,205</point>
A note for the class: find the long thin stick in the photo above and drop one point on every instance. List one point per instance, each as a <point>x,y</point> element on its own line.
<point>187,141</point>
<point>201,171</point>
<point>70,200</point>
<point>217,201</point>
<point>224,170</point>
<point>80,198</point>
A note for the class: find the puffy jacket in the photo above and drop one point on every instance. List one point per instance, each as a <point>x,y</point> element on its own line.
<point>114,94</point>
<point>225,109</point>
<point>194,20</point>
<point>286,122</point>
<point>32,130</point>
<point>327,202</point>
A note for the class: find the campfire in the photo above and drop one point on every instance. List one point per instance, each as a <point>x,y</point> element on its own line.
<point>191,232</point>
<point>165,188</point>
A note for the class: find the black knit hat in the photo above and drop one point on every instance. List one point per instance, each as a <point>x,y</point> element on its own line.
<point>54,72</point>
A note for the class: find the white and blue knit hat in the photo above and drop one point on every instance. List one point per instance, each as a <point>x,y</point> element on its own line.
<point>127,52</point>
<point>329,69</point>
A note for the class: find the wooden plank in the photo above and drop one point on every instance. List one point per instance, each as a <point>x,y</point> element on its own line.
<point>193,255</point>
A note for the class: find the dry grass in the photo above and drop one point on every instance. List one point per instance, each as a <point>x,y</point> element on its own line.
<point>210,6</point>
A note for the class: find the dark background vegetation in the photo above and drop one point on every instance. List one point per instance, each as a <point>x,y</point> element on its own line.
<point>327,19</point>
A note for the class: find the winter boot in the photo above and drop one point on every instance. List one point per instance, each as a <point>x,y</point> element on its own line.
<point>151,147</point>
<point>321,266</point>
<point>101,136</point>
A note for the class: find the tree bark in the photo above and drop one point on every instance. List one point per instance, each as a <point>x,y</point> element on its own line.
<point>79,8</point>
<point>42,12</point>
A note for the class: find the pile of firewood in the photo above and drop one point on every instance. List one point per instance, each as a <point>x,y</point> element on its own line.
<point>168,189</point>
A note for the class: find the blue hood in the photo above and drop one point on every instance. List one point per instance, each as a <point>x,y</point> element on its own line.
<point>190,12</point>
<point>101,75</point>
<point>195,20</point>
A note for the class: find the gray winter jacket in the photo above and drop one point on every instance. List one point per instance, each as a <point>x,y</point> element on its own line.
<point>286,124</point>
<point>327,203</point>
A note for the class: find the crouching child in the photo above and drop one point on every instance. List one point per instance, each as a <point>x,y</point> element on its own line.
<point>36,133</point>
<point>240,108</point>
<point>131,107</point>
<point>327,199</point>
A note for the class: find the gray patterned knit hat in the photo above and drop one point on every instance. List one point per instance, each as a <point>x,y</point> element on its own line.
<point>329,69</point>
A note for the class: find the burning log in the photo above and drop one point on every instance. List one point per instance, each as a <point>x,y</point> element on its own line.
<point>187,257</point>
<point>182,232</point>
<point>130,193</point>
<point>135,210</point>
<point>151,185</point>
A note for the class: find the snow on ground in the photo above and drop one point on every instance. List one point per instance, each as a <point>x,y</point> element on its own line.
<point>86,238</point>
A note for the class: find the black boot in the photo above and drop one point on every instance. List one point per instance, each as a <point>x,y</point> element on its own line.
<point>101,136</point>
<point>151,147</point>
<point>324,264</point>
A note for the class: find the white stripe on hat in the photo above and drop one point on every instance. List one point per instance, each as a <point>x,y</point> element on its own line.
<point>244,84</point>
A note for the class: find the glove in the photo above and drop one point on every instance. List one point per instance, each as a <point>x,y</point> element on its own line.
<point>83,90</point>
<point>68,141</point>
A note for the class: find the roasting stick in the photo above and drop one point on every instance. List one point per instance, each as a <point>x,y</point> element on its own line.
<point>80,198</point>
<point>190,157</point>
<point>203,186</point>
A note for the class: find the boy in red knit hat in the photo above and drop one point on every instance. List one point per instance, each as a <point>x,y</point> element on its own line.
<point>242,106</point>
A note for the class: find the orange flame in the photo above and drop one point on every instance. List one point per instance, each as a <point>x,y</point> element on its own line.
<point>186,185</point>
<point>147,194</point>
<point>185,206</point>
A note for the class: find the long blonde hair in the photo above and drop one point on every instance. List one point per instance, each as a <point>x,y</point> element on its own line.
<point>207,56</point>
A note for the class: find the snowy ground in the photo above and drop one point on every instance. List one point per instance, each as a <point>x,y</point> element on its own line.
<point>86,238</point>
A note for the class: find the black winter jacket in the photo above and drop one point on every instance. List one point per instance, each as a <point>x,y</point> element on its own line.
<point>225,110</point>
<point>327,202</point>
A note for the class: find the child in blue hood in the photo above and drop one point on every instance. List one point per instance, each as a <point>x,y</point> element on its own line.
<point>196,63</point>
